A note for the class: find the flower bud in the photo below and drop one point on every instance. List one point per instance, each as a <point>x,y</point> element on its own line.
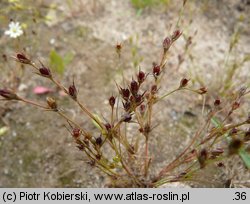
<point>98,141</point>
<point>98,156</point>
<point>183,83</point>
<point>52,103</point>
<point>134,87</point>
<point>156,70</point>
<point>22,58</point>
<point>217,102</point>
<point>138,99</point>
<point>166,44</point>
<point>72,91</point>
<point>45,72</point>
<point>8,94</point>
<point>154,89</point>
<point>125,93</point>
<point>141,77</point>
<point>176,35</point>
<point>126,106</point>
<point>108,126</point>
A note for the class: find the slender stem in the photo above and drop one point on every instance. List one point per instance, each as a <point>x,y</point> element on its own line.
<point>68,119</point>
<point>90,114</point>
<point>112,116</point>
<point>59,85</point>
<point>73,122</point>
<point>33,103</point>
<point>125,166</point>
<point>89,155</point>
<point>225,129</point>
<point>167,94</point>
<point>146,165</point>
<point>79,103</point>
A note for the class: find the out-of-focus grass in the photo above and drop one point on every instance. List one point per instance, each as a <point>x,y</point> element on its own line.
<point>143,4</point>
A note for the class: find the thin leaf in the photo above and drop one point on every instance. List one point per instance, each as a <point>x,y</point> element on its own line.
<point>245,156</point>
<point>68,58</point>
<point>97,118</point>
<point>215,122</point>
<point>56,62</point>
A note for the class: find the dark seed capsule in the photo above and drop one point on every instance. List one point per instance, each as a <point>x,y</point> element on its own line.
<point>217,102</point>
<point>138,99</point>
<point>8,94</point>
<point>183,83</point>
<point>141,77</point>
<point>147,129</point>
<point>156,70</point>
<point>166,43</point>
<point>22,58</point>
<point>127,106</point>
<point>176,35</point>
<point>108,126</point>
<point>98,156</point>
<point>134,87</point>
<point>98,141</point>
<point>118,48</point>
<point>154,89</point>
<point>72,91</point>
<point>132,99</point>
<point>125,93</point>
<point>45,72</point>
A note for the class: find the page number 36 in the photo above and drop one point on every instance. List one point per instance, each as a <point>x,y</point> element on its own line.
<point>240,196</point>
